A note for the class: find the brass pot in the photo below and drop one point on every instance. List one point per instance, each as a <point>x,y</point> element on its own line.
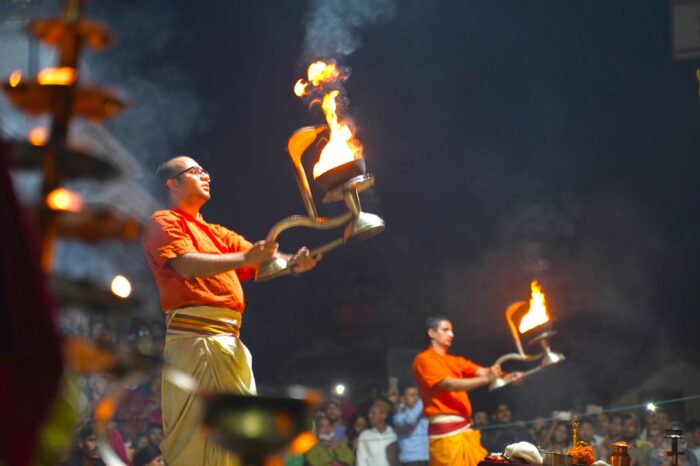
<point>551,458</point>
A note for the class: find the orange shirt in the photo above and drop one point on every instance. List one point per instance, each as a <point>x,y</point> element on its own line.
<point>431,368</point>
<point>172,233</point>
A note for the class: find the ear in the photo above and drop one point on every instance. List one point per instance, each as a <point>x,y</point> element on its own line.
<point>172,183</point>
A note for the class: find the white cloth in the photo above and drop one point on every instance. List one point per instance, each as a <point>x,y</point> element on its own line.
<point>371,449</point>
<point>524,451</point>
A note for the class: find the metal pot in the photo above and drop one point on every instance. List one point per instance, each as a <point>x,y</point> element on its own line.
<point>550,458</point>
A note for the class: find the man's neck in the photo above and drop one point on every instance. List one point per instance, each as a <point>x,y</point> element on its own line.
<point>439,349</point>
<point>190,209</point>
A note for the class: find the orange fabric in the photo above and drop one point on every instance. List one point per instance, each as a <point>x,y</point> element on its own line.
<point>431,368</point>
<point>463,449</point>
<point>172,233</point>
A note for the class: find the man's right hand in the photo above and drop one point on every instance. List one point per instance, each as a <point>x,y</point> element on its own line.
<point>260,252</point>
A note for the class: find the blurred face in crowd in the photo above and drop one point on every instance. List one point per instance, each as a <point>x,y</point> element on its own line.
<point>615,427</point>
<point>378,414</point>
<point>695,437</point>
<point>155,435</point>
<point>157,461</point>
<point>601,423</point>
<point>142,442</point>
<point>655,436</point>
<point>661,420</point>
<point>561,434</point>
<point>480,418</point>
<point>410,396</point>
<point>630,428</point>
<point>333,412</point>
<point>443,335</point>
<point>393,396</point>
<point>503,414</point>
<point>585,431</point>
<point>360,424</point>
<point>89,447</point>
<point>324,428</point>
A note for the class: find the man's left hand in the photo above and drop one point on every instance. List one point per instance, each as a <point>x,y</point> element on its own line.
<point>516,378</point>
<point>304,261</point>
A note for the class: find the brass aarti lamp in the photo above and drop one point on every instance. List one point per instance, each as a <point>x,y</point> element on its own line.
<point>529,320</point>
<point>341,182</point>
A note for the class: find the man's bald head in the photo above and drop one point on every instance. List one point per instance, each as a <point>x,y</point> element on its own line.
<point>172,167</point>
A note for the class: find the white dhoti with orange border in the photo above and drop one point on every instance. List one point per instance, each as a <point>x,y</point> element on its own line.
<point>204,343</point>
<point>453,442</point>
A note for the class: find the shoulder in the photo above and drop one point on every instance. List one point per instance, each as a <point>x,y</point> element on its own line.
<point>166,217</point>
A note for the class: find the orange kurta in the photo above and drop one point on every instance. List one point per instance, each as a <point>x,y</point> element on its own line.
<point>429,369</point>
<point>172,233</point>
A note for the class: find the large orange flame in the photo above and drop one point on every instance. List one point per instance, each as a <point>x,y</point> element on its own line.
<point>537,314</point>
<point>342,146</point>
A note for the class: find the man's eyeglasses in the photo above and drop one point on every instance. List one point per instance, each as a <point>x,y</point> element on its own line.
<point>197,171</point>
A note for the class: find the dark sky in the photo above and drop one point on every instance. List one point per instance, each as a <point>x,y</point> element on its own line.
<point>511,140</point>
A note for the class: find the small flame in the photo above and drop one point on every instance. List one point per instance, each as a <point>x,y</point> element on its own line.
<point>121,286</point>
<point>318,73</point>
<point>63,199</point>
<point>15,78</point>
<point>62,76</point>
<point>342,147</point>
<point>38,136</point>
<point>537,314</point>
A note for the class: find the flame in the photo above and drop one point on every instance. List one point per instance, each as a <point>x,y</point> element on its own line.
<point>38,136</point>
<point>318,73</point>
<point>63,199</point>
<point>537,314</point>
<point>121,286</point>
<point>15,78</point>
<point>342,147</point>
<point>62,76</point>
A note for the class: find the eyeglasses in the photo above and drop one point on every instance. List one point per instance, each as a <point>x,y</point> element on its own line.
<point>195,170</point>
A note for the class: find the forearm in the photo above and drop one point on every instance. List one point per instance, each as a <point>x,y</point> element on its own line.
<point>458,385</point>
<point>197,264</point>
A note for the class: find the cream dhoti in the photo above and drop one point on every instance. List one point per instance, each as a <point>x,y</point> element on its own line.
<point>453,442</point>
<point>204,343</point>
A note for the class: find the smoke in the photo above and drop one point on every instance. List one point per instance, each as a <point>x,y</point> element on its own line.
<point>332,25</point>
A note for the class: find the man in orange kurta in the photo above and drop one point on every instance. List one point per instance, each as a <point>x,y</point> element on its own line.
<point>443,381</point>
<point>198,267</point>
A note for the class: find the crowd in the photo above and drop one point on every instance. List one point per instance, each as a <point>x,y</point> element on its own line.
<point>384,428</point>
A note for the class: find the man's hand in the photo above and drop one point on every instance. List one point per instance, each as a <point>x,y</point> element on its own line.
<point>516,378</point>
<point>260,252</point>
<point>494,372</point>
<point>304,261</point>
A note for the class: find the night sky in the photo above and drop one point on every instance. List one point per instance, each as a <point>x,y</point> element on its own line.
<point>510,140</point>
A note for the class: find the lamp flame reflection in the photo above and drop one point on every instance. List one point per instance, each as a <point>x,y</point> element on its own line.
<point>64,199</point>
<point>121,286</point>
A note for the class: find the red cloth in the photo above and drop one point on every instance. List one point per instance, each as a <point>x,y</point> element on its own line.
<point>116,441</point>
<point>172,233</point>
<point>30,353</point>
<point>431,368</point>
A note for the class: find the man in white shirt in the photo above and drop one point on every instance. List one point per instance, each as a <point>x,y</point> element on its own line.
<point>377,445</point>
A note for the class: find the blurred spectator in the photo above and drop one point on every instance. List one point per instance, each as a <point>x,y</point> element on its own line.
<point>480,419</point>
<point>639,454</point>
<point>374,442</point>
<point>504,431</point>
<point>329,450</point>
<point>149,456</point>
<point>123,449</point>
<point>358,423</point>
<point>602,422</point>
<point>142,441</point>
<point>155,434</point>
<point>659,444</point>
<point>558,437</point>
<point>614,433</point>
<point>586,433</point>
<point>538,430</point>
<point>97,389</point>
<point>411,427</point>
<point>102,334</point>
<point>373,394</point>
<point>86,452</point>
<point>332,410</point>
